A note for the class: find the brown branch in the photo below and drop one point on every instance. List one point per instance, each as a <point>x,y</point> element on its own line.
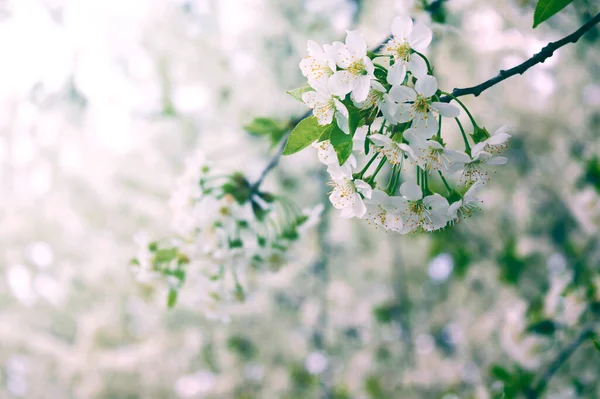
<point>540,57</point>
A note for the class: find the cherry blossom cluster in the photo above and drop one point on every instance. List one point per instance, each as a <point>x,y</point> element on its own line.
<point>225,230</point>
<point>386,110</point>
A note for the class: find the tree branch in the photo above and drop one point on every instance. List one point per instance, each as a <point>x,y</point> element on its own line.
<point>538,58</point>
<point>561,358</point>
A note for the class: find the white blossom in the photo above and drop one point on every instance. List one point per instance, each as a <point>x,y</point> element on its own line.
<point>497,143</point>
<point>465,206</point>
<point>431,155</point>
<point>357,68</point>
<point>394,151</point>
<point>384,210</point>
<point>319,65</point>
<point>474,168</point>
<point>323,103</point>
<point>416,105</point>
<point>407,38</point>
<point>346,194</point>
<point>428,213</point>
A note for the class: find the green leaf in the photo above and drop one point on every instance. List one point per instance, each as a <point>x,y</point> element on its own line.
<point>385,313</point>
<point>500,373</point>
<point>342,143</point>
<point>297,93</point>
<point>166,255</point>
<point>272,128</point>
<point>544,327</point>
<point>547,8</point>
<point>262,126</point>
<point>596,344</point>
<point>305,132</point>
<point>353,119</point>
<point>172,298</point>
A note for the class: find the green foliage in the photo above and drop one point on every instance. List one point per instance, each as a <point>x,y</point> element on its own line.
<point>544,327</point>
<point>512,265</point>
<point>596,344</point>
<point>297,93</point>
<point>342,143</point>
<point>267,127</point>
<point>242,347</point>
<point>374,389</point>
<point>386,312</point>
<point>238,187</point>
<point>302,380</point>
<point>354,118</point>
<point>592,173</point>
<point>172,298</point>
<point>304,134</point>
<point>480,134</point>
<point>547,8</point>
<point>514,382</point>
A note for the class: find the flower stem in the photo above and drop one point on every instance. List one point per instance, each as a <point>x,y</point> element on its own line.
<point>464,135</point>
<point>392,185</point>
<point>445,182</point>
<point>362,172</point>
<point>463,107</point>
<point>381,163</point>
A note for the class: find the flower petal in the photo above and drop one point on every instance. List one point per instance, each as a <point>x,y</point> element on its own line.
<point>369,67</point>
<point>340,107</point>
<point>426,86</point>
<point>417,66</point>
<point>359,207</point>
<point>427,123</point>
<point>497,161</point>
<point>402,27</point>
<point>447,110</point>
<point>315,50</point>
<point>340,83</point>
<point>375,85</point>
<point>411,191</point>
<point>324,113</point>
<point>338,200</point>
<point>402,94</point>
<point>473,191</point>
<point>340,54</point>
<point>437,203</point>
<point>380,140</point>
<point>396,74</point>
<point>355,42</point>
<point>502,129</point>
<point>498,138</point>
<point>342,122</point>
<point>420,37</point>
<point>363,187</point>
<point>361,88</point>
<point>404,113</point>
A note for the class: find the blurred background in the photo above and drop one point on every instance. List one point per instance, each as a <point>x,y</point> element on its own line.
<point>101,102</point>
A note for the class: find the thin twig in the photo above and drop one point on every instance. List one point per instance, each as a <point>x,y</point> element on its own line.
<point>540,57</point>
<point>561,358</point>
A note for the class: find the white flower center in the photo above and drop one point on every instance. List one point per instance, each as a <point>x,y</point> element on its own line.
<point>357,68</point>
<point>319,69</point>
<point>474,172</point>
